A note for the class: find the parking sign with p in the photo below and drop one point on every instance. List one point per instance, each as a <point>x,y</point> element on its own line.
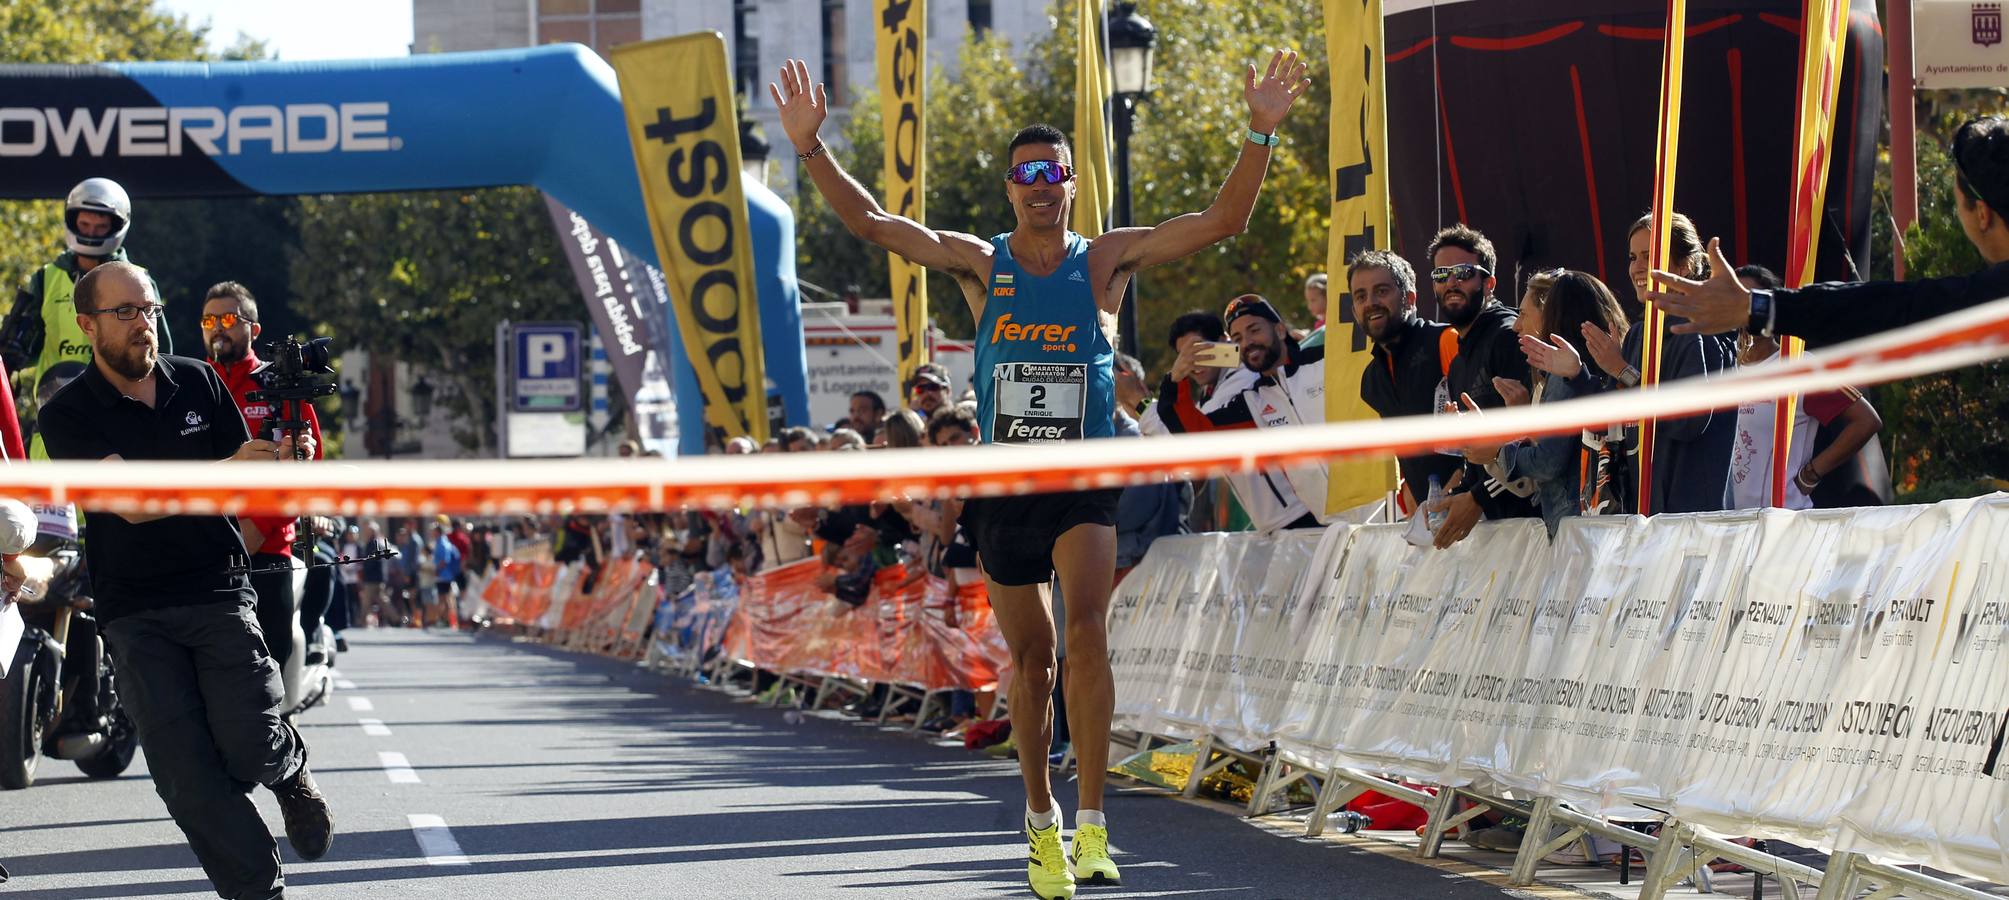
<point>546,366</point>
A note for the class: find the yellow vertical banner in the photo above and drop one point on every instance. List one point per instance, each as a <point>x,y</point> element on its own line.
<point>901,37</point>
<point>677,95</point>
<point>1666,152</point>
<point>1358,139</point>
<point>1094,186</point>
<point>1823,31</point>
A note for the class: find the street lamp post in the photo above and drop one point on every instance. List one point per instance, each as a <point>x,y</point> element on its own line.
<point>1131,39</point>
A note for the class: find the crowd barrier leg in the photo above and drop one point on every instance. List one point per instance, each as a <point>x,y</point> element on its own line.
<point>1333,795</point>
<point>1273,781</point>
<point>1203,766</point>
<point>1443,821</point>
<point>1535,848</point>
<point>1848,873</point>
<point>928,699</point>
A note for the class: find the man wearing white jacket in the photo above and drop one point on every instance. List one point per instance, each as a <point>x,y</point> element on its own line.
<point>1288,388</point>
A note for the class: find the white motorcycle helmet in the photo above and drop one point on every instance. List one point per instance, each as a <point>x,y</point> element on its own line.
<point>99,195</point>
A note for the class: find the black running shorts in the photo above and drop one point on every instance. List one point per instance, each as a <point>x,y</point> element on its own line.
<point>1014,536</point>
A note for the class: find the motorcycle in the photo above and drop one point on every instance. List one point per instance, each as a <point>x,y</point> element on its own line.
<point>59,696</point>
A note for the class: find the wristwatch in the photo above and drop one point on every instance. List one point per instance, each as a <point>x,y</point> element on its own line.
<point>1266,140</point>
<point>1764,314</point>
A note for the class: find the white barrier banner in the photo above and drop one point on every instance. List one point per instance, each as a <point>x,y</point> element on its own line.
<point>1836,678</point>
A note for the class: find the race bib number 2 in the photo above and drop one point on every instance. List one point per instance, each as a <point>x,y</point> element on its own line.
<point>1038,402</point>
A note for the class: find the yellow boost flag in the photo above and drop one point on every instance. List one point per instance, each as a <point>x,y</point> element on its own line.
<point>1093,187</point>
<point>902,38</point>
<point>677,95</point>
<point>1359,142</point>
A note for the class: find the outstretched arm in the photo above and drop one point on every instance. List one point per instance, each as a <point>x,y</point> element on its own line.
<point>1269,98</point>
<point>803,108</point>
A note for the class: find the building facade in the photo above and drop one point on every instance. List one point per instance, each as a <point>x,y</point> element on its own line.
<point>834,37</point>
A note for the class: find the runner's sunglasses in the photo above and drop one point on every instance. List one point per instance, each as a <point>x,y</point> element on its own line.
<point>229,321</point>
<point>1030,172</point>
<point>1461,272</point>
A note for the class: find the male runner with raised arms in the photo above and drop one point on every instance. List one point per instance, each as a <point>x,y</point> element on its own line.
<point>1040,295</point>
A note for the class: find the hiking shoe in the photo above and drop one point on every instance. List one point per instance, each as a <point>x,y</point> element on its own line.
<point>310,826</point>
<point>1046,867</point>
<point>1090,862</point>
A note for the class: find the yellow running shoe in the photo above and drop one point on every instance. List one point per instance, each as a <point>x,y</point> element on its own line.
<point>1046,867</point>
<point>1090,863</point>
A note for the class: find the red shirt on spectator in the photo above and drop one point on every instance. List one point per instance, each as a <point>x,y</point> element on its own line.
<point>278,530</point>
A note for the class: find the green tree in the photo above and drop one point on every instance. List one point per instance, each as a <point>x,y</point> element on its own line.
<point>425,277</point>
<point>77,32</point>
<point>1186,139</point>
<point>1944,433</point>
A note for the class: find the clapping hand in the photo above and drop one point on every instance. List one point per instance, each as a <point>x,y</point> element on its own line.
<point>1559,358</point>
<point>1604,349</point>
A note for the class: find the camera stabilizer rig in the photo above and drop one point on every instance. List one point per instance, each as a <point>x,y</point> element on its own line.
<point>292,379</point>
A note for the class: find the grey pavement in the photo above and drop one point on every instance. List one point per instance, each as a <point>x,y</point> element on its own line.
<point>505,770</point>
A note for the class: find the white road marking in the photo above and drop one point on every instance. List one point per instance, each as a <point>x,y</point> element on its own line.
<point>374,727</point>
<point>398,768</point>
<point>436,840</point>
<point>344,684</point>
<point>360,704</point>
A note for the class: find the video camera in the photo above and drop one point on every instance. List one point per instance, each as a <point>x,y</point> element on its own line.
<point>292,376</point>
<point>293,373</point>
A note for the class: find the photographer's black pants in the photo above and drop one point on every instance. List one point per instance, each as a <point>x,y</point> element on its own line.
<point>206,698</point>
<point>275,603</point>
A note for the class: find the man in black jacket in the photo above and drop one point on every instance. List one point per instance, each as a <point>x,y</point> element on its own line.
<point>193,669</point>
<point>1462,262</point>
<point>1410,358</point>
<point>1825,314</point>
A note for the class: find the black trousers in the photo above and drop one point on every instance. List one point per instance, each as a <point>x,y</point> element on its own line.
<point>206,698</point>
<point>317,601</point>
<point>275,603</point>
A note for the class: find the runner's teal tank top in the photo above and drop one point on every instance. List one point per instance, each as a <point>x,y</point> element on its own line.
<point>1045,370</point>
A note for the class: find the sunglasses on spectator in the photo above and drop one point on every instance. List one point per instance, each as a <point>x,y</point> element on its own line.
<point>229,320</point>
<point>929,387</point>
<point>152,312</point>
<point>1460,272</point>
<point>1030,172</point>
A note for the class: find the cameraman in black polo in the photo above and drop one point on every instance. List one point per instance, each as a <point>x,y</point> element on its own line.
<point>193,668</point>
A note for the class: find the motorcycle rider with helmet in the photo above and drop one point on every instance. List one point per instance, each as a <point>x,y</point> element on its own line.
<point>41,329</point>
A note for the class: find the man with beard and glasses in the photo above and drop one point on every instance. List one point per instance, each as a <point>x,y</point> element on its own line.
<point>194,673</point>
<point>229,325</point>
<point>1041,296</point>
<point>1287,388</point>
<point>1411,356</point>
<point>1462,263</point>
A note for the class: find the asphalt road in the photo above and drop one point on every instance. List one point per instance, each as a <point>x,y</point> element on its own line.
<point>480,768</point>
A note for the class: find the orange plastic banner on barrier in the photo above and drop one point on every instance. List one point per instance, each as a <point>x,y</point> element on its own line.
<point>911,631</point>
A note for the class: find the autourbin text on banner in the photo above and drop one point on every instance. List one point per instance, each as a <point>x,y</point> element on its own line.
<point>678,96</point>
<point>901,35</point>
<point>1358,138</point>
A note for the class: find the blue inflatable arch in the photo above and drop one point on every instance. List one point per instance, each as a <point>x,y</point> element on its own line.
<point>549,117</point>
